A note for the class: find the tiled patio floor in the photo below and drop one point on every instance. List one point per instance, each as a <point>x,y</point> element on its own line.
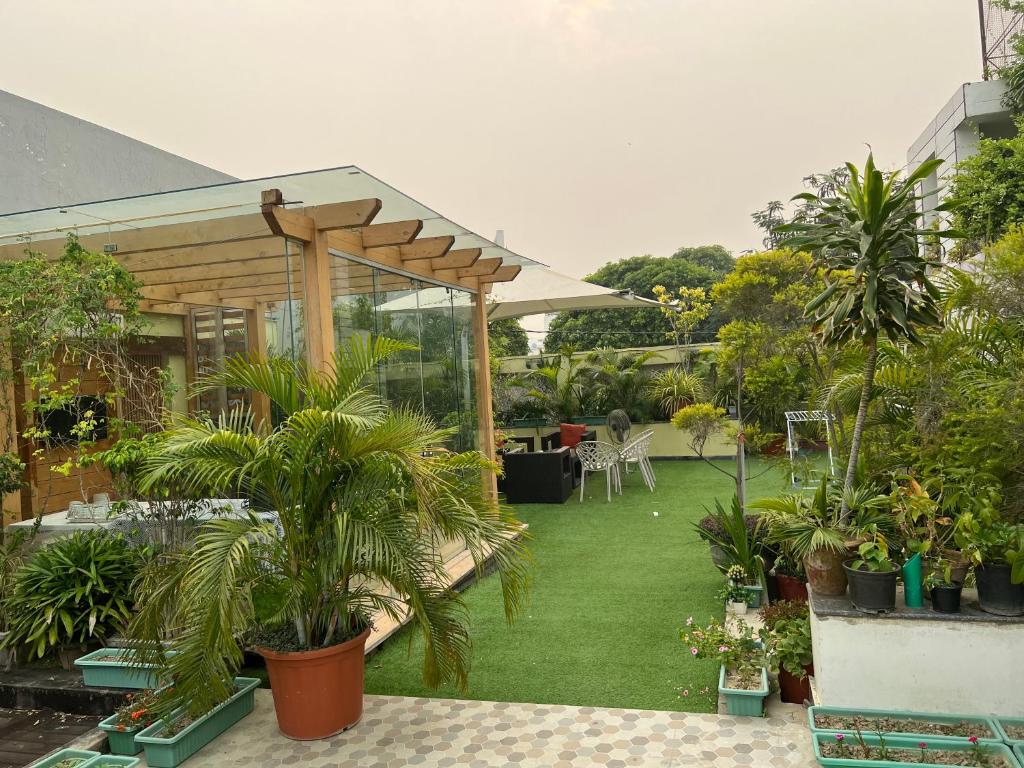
<point>398,731</point>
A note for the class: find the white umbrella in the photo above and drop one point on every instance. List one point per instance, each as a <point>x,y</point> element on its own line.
<point>538,290</point>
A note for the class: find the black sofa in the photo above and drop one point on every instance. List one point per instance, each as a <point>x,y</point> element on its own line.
<point>554,440</point>
<point>537,478</point>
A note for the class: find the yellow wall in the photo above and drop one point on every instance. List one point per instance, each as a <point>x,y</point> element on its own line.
<point>668,442</point>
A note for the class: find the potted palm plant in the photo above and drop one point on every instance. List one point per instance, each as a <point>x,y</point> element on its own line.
<point>359,497</point>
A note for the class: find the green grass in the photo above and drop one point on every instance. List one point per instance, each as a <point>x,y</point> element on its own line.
<point>611,585</point>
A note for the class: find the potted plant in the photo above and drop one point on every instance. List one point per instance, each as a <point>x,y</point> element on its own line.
<point>872,577</point>
<point>944,591</point>
<point>737,575</point>
<point>361,497</point>
<point>854,749</point>
<point>735,597</point>
<point>742,675</point>
<point>174,738</point>
<point>791,578</point>
<point>997,549</point>
<point>138,713</point>
<point>72,594</point>
<point>66,758</point>
<point>736,539</point>
<point>788,645</point>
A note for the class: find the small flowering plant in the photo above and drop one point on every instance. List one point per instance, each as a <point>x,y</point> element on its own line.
<point>739,652</point>
<point>140,710</point>
<point>737,574</point>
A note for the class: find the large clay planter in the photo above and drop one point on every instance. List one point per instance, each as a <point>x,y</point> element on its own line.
<point>318,693</point>
<point>825,574</point>
<point>793,689</point>
<point>791,588</point>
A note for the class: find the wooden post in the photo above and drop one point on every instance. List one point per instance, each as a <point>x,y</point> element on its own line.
<point>256,346</point>
<point>485,416</point>
<point>316,302</point>
<point>191,361</point>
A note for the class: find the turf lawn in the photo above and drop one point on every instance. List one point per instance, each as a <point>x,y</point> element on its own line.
<point>611,586</point>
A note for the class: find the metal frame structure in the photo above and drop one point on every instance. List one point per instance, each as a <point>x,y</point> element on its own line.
<point>998,27</point>
<point>792,444</point>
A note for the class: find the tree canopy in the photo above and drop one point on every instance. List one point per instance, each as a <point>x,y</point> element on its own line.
<point>508,338</point>
<point>698,267</point>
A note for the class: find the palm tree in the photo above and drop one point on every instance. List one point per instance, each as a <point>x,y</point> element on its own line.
<point>563,387</point>
<point>624,380</point>
<point>363,499</point>
<point>863,233</point>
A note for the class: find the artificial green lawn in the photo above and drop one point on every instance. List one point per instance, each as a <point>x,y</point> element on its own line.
<point>611,585</point>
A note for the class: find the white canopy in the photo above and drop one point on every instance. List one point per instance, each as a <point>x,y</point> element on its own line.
<point>539,290</point>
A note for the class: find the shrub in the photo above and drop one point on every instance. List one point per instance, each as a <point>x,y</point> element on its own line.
<point>782,610</point>
<point>74,590</point>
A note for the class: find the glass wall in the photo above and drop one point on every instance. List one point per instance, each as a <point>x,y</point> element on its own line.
<point>437,376</point>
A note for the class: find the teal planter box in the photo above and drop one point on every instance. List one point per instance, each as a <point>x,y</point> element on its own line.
<point>1018,752</point>
<point>754,595</point>
<point>986,729</point>
<point>66,754</point>
<point>168,753</point>
<point>111,761</point>
<point>115,668</point>
<point>744,703</point>
<point>894,742</point>
<point>120,742</point>
<point>1002,722</point>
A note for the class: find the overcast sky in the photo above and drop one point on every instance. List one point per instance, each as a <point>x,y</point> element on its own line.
<point>589,130</point>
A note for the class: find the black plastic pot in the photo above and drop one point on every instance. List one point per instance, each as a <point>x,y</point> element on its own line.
<point>996,594</point>
<point>872,591</point>
<point>946,598</point>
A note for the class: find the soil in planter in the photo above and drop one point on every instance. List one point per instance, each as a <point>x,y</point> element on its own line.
<point>743,681</point>
<point>1015,732</point>
<point>175,728</point>
<point>937,756</point>
<point>901,725</point>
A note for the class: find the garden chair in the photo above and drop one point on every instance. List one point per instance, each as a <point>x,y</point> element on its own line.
<point>635,452</point>
<point>596,456</point>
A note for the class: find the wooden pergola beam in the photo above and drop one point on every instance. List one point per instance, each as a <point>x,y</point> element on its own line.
<point>481,268</point>
<point>353,213</point>
<point>504,274</point>
<point>394,233</point>
<point>457,259</point>
<point>424,248</point>
<point>157,294</point>
<point>290,224</point>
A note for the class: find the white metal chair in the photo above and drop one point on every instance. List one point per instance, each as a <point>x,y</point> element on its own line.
<point>596,456</point>
<point>635,452</point>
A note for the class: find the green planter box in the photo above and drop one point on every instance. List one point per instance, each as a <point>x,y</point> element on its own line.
<point>111,761</point>
<point>121,742</point>
<point>744,703</point>
<point>115,668</point>
<point>1001,722</point>
<point>992,750</point>
<point>168,753</point>
<point>1018,752</point>
<point>65,754</point>
<point>755,593</point>
<point>987,730</point>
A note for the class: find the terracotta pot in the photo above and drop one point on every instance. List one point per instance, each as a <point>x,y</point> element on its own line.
<point>318,693</point>
<point>825,573</point>
<point>791,588</point>
<point>793,689</point>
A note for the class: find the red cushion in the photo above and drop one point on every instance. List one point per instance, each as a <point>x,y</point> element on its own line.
<point>572,434</point>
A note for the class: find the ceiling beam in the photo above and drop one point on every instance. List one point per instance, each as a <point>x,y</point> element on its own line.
<point>504,274</point>
<point>482,268</point>
<point>424,248</point>
<point>285,223</point>
<point>394,233</point>
<point>457,259</point>
<point>353,213</point>
<point>157,294</point>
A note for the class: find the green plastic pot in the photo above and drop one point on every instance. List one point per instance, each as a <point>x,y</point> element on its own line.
<point>988,731</point>
<point>167,753</point>
<point>65,754</point>
<point>1000,721</point>
<point>1000,750</point>
<point>1018,752</point>
<point>121,742</point>
<point>744,703</point>
<point>754,595</point>
<point>103,761</point>
<point>115,668</point>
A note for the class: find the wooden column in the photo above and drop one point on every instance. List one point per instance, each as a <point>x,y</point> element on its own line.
<point>316,304</point>
<point>256,346</point>
<point>485,416</point>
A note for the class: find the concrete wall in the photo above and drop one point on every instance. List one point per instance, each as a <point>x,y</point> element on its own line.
<point>49,158</point>
<point>921,665</point>
<point>668,442</point>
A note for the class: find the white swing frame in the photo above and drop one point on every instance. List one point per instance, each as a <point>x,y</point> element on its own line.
<point>792,444</point>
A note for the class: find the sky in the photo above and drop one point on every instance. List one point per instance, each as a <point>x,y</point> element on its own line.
<point>588,130</point>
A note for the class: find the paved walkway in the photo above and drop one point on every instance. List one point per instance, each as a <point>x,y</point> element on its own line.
<point>397,731</point>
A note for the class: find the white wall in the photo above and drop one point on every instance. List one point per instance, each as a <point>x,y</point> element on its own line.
<point>920,665</point>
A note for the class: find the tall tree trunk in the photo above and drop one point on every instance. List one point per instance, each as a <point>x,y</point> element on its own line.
<point>741,458</point>
<point>858,426</point>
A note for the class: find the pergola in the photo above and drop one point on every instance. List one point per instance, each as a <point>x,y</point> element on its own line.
<point>303,239</point>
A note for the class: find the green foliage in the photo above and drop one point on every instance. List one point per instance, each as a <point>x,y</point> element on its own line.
<point>873,556</point>
<point>12,554</point>
<point>563,388</point>
<point>740,542</point>
<point>988,188</point>
<point>770,287</point>
<point>362,500</point>
<point>701,420</point>
<point>623,380</point>
<point>773,387</point>
<point>590,329</point>
<point>507,338</point>
<point>673,389</point>
<point>713,257</point>
<point>788,644</point>
<point>74,590</point>
<point>737,651</point>
<point>12,473</point>
<point>783,610</point>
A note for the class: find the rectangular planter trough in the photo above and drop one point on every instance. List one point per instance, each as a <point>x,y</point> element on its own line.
<point>167,753</point>
<point>121,742</point>
<point>1003,723</point>
<point>984,727</point>
<point>111,761</point>
<point>741,702</point>
<point>897,742</point>
<point>115,668</point>
<point>65,754</point>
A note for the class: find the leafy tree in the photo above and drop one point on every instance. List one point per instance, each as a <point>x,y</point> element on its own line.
<point>715,257</point>
<point>878,283</point>
<point>988,190</point>
<point>624,381</point>
<point>563,388</point>
<point>591,329</point>
<point>508,338</point>
<point>684,310</point>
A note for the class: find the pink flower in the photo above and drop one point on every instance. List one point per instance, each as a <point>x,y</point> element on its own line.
<point>839,737</point>
<point>689,621</point>
<point>694,651</point>
<point>723,648</point>
<point>972,739</point>
<point>922,745</point>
